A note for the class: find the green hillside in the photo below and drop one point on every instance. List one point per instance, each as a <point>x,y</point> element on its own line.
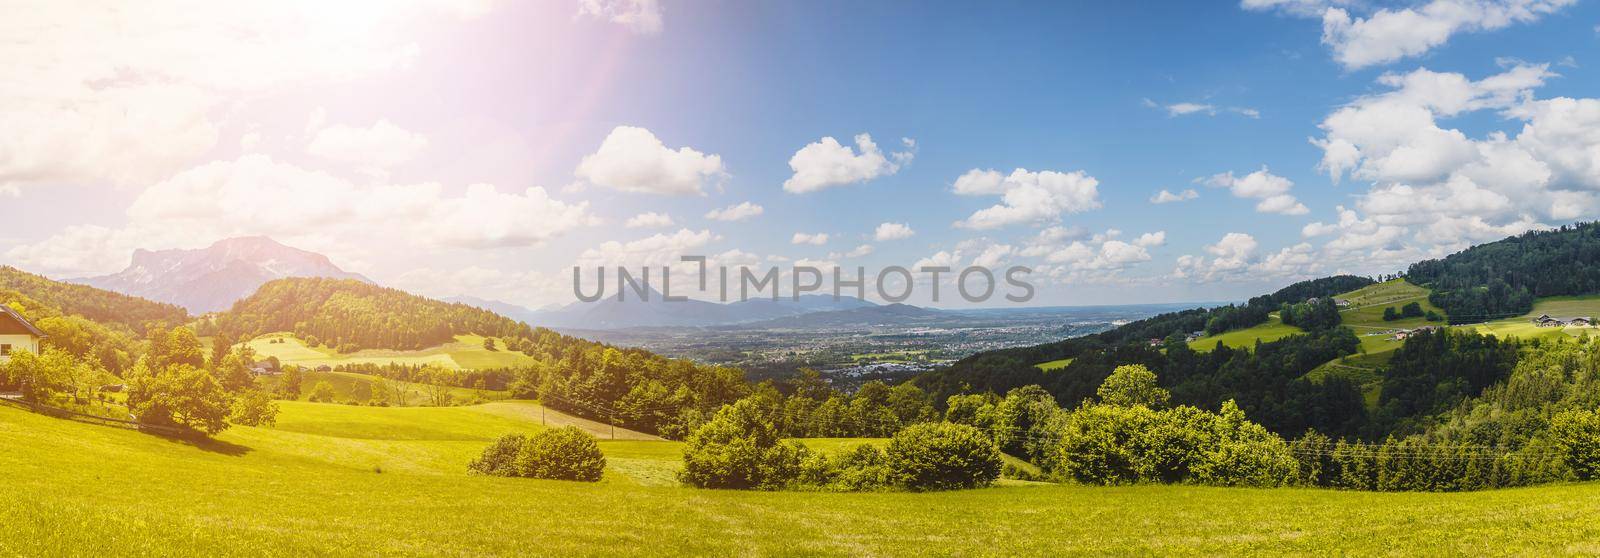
<point>1273,330</point>
<point>48,297</point>
<point>346,483</point>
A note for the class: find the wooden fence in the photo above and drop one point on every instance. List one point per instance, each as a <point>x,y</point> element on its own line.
<point>85,417</point>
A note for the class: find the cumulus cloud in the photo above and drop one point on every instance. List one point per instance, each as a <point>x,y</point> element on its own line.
<point>1390,34</point>
<point>1229,257</point>
<point>1272,191</point>
<point>1169,197</point>
<point>640,16</point>
<point>892,231</point>
<point>857,252</point>
<point>102,94</point>
<point>826,164</point>
<point>381,146</point>
<point>1027,197</point>
<point>633,160</point>
<point>1434,189</point>
<point>649,220</point>
<point>816,239</point>
<point>738,212</point>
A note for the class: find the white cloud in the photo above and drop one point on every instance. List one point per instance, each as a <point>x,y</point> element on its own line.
<point>1169,197</point>
<point>1187,108</point>
<point>649,220</point>
<point>738,212</point>
<point>256,195</point>
<point>381,146</point>
<point>816,239</point>
<point>633,160</point>
<point>657,250</point>
<point>892,231</point>
<point>1152,240</point>
<point>1027,197</point>
<point>1271,189</point>
<point>109,95</point>
<point>1390,34</point>
<point>640,16</point>
<point>1230,257</point>
<point>857,252</point>
<point>826,163</point>
<point>530,289</point>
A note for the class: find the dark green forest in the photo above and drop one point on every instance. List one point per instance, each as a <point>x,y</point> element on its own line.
<point>1502,278</point>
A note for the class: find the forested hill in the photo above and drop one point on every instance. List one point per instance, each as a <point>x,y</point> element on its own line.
<point>350,314</point>
<point>106,307</point>
<point>1502,278</point>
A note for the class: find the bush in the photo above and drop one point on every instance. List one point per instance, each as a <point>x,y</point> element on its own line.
<point>863,468</point>
<point>1576,434</point>
<point>740,448</point>
<point>500,458</point>
<point>565,453</point>
<point>322,392</point>
<point>942,456</point>
<point>1130,385</point>
<point>255,408</point>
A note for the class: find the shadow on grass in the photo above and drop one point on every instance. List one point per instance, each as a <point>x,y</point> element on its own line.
<point>201,442</point>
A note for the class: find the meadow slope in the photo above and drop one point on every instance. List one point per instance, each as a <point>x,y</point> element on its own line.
<point>310,487</point>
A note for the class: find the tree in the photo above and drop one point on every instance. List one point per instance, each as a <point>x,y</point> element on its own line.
<point>255,408</point>
<point>1389,314</point>
<point>565,453</point>
<point>1018,418</point>
<point>1577,438</point>
<point>488,344</point>
<point>38,377</point>
<point>234,374</point>
<point>289,386</point>
<point>1133,384</point>
<point>942,456</point>
<point>322,392</point>
<point>180,395</point>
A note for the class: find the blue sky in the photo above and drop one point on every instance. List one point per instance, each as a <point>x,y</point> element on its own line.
<point>407,141</point>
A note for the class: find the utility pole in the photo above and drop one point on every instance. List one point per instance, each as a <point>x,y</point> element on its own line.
<point>541,414</point>
<point>613,422</point>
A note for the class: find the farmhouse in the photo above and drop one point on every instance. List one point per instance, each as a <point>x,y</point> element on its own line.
<point>1340,302</point>
<point>1545,320</point>
<point>17,334</point>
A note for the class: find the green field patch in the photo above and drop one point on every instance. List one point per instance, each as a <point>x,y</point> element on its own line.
<point>1522,327</point>
<point>1053,365</point>
<point>466,352</point>
<point>1273,330</point>
<point>1365,313</point>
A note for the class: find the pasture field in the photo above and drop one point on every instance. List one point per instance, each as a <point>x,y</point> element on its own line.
<point>335,480</point>
<point>1053,365</point>
<point>466,352</point>
<point>1273,330</point>
<point>350,386</point>
<point>1522,326</point>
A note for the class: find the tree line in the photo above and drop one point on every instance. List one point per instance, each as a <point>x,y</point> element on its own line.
<point>1503,278</point>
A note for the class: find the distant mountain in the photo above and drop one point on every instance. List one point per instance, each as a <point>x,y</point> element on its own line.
<point>891,314</point>
<point>632,311</point>
<point>212,279</point>
<point>509,310</point>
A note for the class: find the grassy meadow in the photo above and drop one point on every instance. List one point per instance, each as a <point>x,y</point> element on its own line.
<point>1273,330</point>
<point>466,352</point>
<point>332,479</point>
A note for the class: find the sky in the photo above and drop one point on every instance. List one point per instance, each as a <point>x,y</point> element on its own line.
<point>1126,152</point>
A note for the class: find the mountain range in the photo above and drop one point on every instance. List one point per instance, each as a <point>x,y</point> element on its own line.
<point>211,279</point>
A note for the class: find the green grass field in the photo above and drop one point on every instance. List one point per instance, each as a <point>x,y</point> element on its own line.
<point>1273,330</point>
<point>466,352</point>
<point>1053,365</point>
<point>358,388</point>
<point>313,486</point>
<point>1522,327</point>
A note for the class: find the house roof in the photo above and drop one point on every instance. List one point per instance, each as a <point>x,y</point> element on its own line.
<point>12,322</point>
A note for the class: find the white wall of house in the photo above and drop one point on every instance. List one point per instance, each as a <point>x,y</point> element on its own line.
<point>20,343</point>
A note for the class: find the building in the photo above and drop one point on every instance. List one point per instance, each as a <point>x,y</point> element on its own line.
<point>17,334</point>
<point>1545,320</point>
<point>1341,302</point>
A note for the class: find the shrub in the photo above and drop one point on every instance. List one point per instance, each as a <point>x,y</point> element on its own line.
<point>565,453</point>
<point>942,456</point>
<point>322,392</point>
<point>500,458</point>
<point>1576,434</point>
<point>255,408</point>
<point>1244,453</point>
<point>1017,419</point>
<point>863,468</point>
<point>740,448</point>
